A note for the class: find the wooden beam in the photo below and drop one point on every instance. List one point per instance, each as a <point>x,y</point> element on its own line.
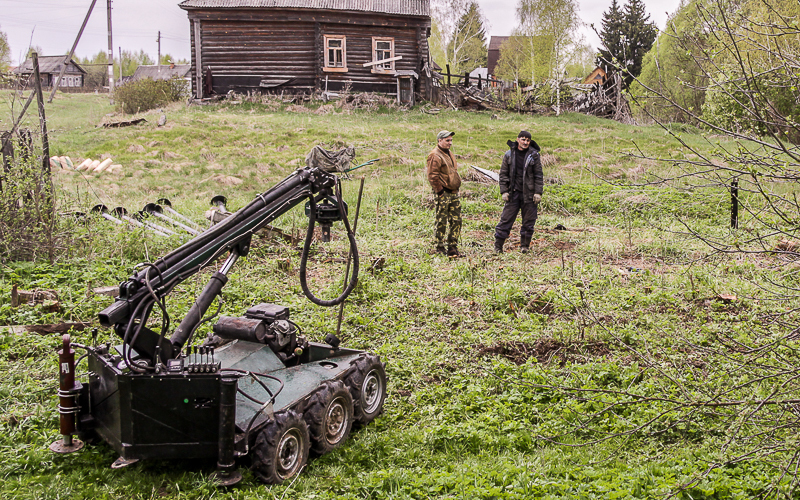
<point>198,60</point>
<point>373,63</point>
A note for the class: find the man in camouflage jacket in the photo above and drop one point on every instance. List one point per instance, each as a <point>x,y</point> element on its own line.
<point>443,177</point>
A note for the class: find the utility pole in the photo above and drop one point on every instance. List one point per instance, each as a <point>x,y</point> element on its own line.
<point>159,52</point>
<point>110,55</point>
<point>71,52</point>
<point>120,64</point>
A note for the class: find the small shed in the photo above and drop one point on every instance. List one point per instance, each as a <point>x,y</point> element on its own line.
<point>300,46</point>
<point>163,71</point>
<point>493,53</point>
<point>50,68</point>
<point>598,75</point>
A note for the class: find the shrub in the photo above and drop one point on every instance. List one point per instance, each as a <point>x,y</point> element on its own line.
<point>145,94</point>
<point>28,223</point>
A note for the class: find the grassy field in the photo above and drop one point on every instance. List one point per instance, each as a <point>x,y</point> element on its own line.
<point>486,355</point>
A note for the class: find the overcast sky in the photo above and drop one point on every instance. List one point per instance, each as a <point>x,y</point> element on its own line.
<point>53,24</point>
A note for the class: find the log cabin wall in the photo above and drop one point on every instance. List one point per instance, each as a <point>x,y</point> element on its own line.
<point>274,50</point>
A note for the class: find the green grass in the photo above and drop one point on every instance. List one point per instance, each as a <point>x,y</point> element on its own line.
<point>464,418</point>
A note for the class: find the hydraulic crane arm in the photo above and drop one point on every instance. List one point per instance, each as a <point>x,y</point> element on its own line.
<point>146,288</point>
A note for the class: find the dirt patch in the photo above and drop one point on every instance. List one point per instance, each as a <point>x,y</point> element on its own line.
<point>549,160</point>
<point>226,180</point>
<point>636,173</point>
<point>296,108</point>
<point>325,109</point>
<point>136,148</point>
<point>546,351</point>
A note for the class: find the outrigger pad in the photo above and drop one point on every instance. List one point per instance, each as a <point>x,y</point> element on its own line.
<point>330,161</point>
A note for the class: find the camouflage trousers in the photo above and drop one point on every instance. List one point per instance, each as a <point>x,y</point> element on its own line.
<point>448,212</point>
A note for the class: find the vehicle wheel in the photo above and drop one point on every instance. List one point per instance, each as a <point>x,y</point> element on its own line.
<point>367,384</point>
<point>281,448</point>
<point>329,416</point>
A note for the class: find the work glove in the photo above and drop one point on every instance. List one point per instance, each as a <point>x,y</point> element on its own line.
<point>505,197</point>
<point>537,198</point>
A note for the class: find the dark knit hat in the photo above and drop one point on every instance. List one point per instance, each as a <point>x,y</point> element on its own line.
<point>525,134</point>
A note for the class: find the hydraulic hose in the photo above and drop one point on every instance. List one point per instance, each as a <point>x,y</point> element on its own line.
<point>312,220</point>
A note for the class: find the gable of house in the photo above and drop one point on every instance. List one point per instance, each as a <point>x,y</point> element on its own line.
<point>598,75</point>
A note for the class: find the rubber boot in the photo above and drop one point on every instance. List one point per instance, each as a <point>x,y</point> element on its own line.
<point>524,244</point>
<point>498,245</point>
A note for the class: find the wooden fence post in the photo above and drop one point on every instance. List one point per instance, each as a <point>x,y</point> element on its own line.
<point>42,119</point>
<point>735,204</point>
<point>448,73</point>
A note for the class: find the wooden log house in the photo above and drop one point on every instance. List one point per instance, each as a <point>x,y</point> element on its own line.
<point>50,68</point>
<point>299,46</point>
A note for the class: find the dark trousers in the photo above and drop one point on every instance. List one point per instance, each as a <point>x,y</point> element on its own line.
<point>448,213</point>
<point>513,206</point>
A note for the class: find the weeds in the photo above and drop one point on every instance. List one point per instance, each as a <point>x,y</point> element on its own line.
<point>585,341</point>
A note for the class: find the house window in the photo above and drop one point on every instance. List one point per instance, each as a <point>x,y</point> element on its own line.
<point>335,54</point>
<point>382,48</point>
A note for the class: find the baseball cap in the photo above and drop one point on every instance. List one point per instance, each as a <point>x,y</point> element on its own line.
<point>444,134</point>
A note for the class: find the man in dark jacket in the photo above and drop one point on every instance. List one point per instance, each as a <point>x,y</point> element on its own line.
<point>521,181</point>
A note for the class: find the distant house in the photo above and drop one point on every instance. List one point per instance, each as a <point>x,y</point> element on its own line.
<point>598,75</point>
<point>49,69</point>
<point>307,45</point>
<point>493,55</point>
<point>163,71</point>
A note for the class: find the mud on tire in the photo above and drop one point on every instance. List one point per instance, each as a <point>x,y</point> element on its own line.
<point>366,381</point>
<point>281,448</point>
<point>329,415</point>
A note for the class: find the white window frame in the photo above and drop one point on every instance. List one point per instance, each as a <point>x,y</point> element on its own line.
<point>327,67</point>
<point>384,67</point>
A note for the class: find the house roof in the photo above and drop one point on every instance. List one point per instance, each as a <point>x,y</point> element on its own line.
<point>47,64</point>
<point>162,72</point>
<point>597,74</point>
<point>402,7</point>
<point>496,41</point>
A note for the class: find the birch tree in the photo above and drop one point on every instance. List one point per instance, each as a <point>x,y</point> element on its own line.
<point>460,33</point>
<point>5,52</point>
<point>557,20</point>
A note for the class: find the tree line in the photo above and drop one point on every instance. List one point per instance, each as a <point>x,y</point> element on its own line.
<point>96,66</point>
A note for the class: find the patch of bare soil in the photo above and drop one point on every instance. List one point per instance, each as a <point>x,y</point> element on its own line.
<point>296,108</point>
<point>546,351</point>
<point>549,160</point>
<point>226,180</point>
<point>325,109</point>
